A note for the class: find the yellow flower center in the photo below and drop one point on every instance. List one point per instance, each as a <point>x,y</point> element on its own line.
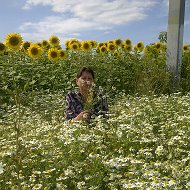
<point>75,46</point>
<point>53,54</point>
<point>111,47</point>
<point>34,51</point>
<point>26,45</point>
<point>62,54</point>
<point>2,47</point>
<point>118,42</point>
<point>128,48</point>
<point>139,45</point>
<point>54,41</point>
<point>14,41</point>
<point>93,44</point>
<point>103,49</point>
<point>128,42</point>
<point>157,46</point>
<point>86,46</point>
<point>100,44</point>
<point>44,43</point>
<point>185,48</point>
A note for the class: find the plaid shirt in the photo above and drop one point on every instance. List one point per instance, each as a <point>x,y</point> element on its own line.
<point>75,103</point>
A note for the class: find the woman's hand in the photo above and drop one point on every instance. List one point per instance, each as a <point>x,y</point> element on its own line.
<point>82,116</point>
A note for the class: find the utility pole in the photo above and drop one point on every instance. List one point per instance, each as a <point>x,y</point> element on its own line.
<point>175,39</point>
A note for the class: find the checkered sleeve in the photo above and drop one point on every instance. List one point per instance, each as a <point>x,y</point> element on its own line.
<point>70,110</point>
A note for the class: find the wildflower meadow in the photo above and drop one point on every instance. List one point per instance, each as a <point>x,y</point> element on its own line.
<point>143,143</point>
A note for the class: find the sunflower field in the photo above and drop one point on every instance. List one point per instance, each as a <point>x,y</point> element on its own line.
<point>143,144</point>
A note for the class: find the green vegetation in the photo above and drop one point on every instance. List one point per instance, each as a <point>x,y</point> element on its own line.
<point>144,144</point>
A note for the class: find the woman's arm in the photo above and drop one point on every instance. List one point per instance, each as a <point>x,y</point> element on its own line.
<point>72,113</point>
<point>82,116</point>
<point>70,110</point>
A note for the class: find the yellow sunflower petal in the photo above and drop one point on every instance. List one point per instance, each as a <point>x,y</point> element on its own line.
<point>45,43</point>
<point>35,51</point>
<point>117,54</point>
<point>140,46</point>
<point>100,44</point>
<point>128,42</point>
<point>103,49</point>
<point>93,43</point>
<point>118,42</point>
<point>54,40</point>
<point>127,47</point>
<point>2,47</point>
<point>111,47</point>
<point>74,46</point>
<point>158,45</point>
<point>26,45</point>
<point>62,54</point>
<point>186,48</point>
<point>53,54</point>
<point>13,41</point>
<point>86,46</point>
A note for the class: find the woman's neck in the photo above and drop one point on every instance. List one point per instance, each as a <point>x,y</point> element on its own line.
<point>84,93</point>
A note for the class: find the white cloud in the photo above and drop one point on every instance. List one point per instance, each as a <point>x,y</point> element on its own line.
<point>57,5</point>
<point>62,26</point>
<point>66,28</point>
<point>86,15</point>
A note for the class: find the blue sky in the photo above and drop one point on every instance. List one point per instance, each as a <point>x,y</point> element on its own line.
<point>100,20</point>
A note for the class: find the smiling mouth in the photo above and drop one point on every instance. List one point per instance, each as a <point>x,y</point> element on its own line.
<point>86,85</point>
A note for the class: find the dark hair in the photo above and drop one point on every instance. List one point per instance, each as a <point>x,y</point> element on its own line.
<point>85,69</point>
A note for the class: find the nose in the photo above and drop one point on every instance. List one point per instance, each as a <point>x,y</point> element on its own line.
<point>88,82</point>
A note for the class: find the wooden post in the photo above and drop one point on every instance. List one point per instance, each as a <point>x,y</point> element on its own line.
<point>175,39</point>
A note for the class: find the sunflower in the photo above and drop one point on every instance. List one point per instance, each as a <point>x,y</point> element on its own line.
<point>186,48</point>
<point>128,42</point>
<point>74,46</point>
<point>35,51</point>
<point>26,45</point>
<point>118,42</point>
<point>67,44</point>
<point>97,50</point>
<point>111,47</point>
<point>158,45</point>
<point>54,40</point>
<point>93,43</point>
<point>2,47</point>
<point>100,44</point>
<point>45,43</point>
<point>151,49</point>
<point>106,44</point>
<point>140,46</point>
<point>62,54</point>
<point>103,49</point>
<point>13,41</point>
<point>110,42</point>
<point>71,41</point>
<point>164,47</point>
<point>135,48</point>
<point>127,47</point>
<point>53,54</point>
<point>117,54</point>
<point>147,50</point>
<point>86,46</point>
<point>38,43</point>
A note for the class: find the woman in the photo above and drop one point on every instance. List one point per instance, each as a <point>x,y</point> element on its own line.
<point>88,100</point>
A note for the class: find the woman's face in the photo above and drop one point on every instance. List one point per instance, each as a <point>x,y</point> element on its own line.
<point>85,81</point>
